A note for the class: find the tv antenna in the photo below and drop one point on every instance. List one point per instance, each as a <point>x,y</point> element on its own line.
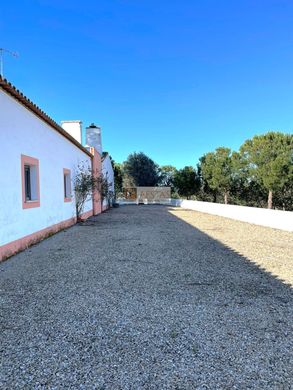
<point>2,51</point>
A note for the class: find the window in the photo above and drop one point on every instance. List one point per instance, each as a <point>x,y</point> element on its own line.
<point>67,185</point>
<point>27,182</point>
<point>30,182</point>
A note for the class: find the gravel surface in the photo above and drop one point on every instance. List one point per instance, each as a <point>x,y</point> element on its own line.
<point>270,249</point>
<point>137,298</point>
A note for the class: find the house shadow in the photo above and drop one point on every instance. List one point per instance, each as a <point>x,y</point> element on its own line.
<point>255,252</point>
<point>247,277</point>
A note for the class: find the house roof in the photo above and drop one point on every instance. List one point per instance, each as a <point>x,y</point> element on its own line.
<point>27,103</point>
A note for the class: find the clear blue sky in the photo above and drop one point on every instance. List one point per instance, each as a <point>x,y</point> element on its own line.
<point>172,78</point>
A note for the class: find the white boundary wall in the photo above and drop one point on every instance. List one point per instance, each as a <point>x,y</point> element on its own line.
<point>276,219</point>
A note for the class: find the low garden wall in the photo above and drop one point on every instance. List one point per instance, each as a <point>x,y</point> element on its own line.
<point>276,219</point>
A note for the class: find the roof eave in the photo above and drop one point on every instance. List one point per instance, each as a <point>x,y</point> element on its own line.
<point>19,96</point>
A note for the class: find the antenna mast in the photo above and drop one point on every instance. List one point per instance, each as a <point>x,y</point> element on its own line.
<point>2,50</point>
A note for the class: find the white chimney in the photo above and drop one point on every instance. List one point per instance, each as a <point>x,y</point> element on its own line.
<point>94,137</point>
<point>74,128</point>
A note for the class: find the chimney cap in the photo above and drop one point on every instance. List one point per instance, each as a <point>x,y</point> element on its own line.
<point>93,126</point>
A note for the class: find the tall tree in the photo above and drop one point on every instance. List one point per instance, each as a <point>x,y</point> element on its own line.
<point>187,181</point>
<point>245,189</point>
<point>118,175</point>
<point>142,170</point>
<point>206,193</point>
<point>269,158</point>
<point>167,175</point>
<point>217,170</point>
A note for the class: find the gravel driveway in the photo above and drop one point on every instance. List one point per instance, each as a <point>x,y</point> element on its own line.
<point>137,298</point>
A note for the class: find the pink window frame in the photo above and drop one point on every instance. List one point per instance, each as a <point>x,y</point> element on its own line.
<point>67,172</point>
<point>27,160</point>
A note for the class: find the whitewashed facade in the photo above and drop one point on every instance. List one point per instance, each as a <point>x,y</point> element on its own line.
<point>108,173</point>
<point>34,150</point>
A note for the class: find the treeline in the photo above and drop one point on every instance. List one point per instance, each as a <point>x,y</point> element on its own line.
<point>260,174</point>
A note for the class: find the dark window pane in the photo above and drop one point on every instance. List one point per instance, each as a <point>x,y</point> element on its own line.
<point>27,182</point>
<point>65,187</point>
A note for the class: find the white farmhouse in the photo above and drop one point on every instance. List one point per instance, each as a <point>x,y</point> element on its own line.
<point>38,161</point>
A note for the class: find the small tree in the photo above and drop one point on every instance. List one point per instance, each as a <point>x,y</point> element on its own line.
<point>84,183</point>
<point>105,189</point>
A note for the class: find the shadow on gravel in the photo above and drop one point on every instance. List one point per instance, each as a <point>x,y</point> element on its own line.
<point>136,298</point>
<point>233,262</point>
<point>276,262</point>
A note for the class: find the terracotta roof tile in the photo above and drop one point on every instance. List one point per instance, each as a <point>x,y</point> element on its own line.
<point>26,102</point>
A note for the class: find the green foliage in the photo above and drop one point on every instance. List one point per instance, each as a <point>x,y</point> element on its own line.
<point>187,181</point>
<point>205,193</point>
<point>118,176</point>
<point>141,170</point>
<point>268,160</point>
<point>104,187</point>
<point>167,176</point>
<point>84,183</point>
<point>245,190</point>
<point>217,169</point>
<point>175,195</point>
<point>263,164</point>
<point>283,199</point>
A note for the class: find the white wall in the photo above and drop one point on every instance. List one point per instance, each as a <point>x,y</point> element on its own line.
<point>108,169</point>
<point>271,218</point>
<point>74,128</point>
<point>22,132</point>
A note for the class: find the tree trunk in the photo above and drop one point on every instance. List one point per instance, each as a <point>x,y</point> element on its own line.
<point>226,197</point>
<point>215,197</point>
<point>77,211</point>
<point>270,199</point>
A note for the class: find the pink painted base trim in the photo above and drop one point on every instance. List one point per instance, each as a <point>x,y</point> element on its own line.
<point>16,246</point>
<point>87,214</point>
<point>105,208</point>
